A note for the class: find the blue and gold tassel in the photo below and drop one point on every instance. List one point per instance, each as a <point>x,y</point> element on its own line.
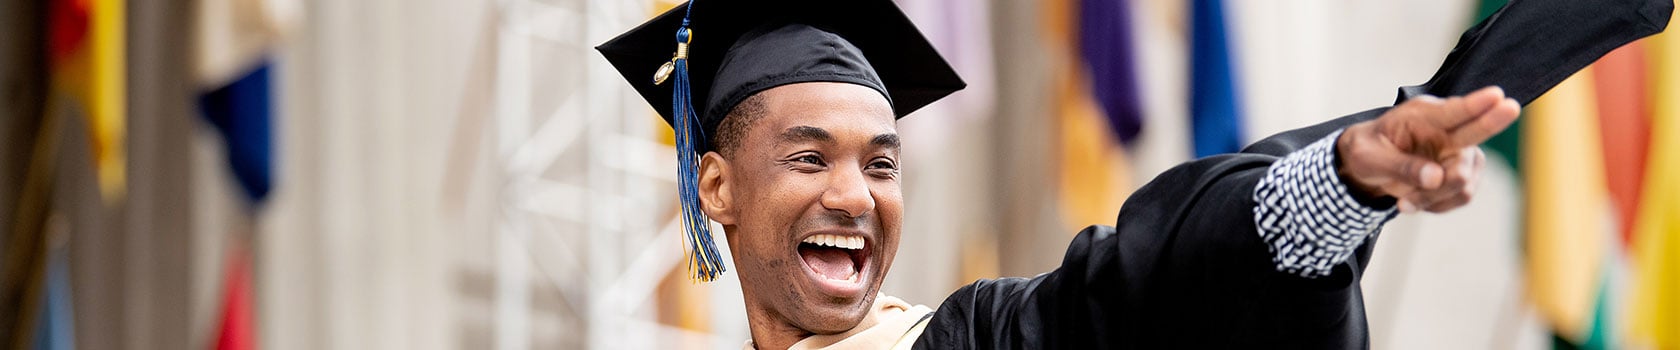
<point>704,260</point>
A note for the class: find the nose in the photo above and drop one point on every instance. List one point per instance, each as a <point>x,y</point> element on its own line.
<point>848,191</point>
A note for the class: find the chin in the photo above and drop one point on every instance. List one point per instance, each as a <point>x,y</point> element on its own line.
<point>833,316</point>
<point>838,275</point>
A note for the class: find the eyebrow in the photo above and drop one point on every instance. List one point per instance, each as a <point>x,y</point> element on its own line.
<point>805,133</point>
<point>885,141</point>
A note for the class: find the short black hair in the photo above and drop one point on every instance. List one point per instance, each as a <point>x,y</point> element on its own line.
<point>733,128</point>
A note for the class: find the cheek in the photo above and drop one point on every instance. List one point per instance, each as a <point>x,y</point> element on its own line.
<point>889,196</point>
<point>773,202</point>
<point>889,205</point>
<point>889,210</point>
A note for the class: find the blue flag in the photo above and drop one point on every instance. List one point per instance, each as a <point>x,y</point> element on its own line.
<point>1105,44</point>
<point>54,332</point>
<point>240,111</point>
<point>1215,102</point>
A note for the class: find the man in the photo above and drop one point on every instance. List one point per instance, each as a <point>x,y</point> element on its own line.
<point>786,133</point>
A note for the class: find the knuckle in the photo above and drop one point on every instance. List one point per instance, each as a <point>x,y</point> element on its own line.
<point>1355,147</point>
<point>1456,182</point>
<point>1398,189</point>
<point>1455,177</point>
<point>1408,170</point>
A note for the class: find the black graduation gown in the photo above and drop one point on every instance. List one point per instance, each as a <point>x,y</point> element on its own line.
<point>1184,266</point>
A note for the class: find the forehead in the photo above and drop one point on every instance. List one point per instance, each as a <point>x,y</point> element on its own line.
<point>835,106</point>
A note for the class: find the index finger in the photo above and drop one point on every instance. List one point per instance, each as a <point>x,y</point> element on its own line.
<point>1486,125</point>
<point>1458,111</point>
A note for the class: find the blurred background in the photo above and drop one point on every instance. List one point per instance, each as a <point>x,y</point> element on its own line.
<point>385,174</point>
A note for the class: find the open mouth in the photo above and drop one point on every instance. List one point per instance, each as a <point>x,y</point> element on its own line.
<point>837,261</point>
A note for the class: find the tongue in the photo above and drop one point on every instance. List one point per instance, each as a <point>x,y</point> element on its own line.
<point>833,263</point>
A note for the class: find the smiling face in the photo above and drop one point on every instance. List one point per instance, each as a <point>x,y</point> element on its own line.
<point>809,198</point>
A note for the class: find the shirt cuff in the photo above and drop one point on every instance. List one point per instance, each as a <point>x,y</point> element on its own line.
<point>1307,216</point>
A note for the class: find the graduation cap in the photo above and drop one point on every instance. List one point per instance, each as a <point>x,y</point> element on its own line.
<point>694,63</point>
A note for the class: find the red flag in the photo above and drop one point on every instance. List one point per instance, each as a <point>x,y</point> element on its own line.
<point>1625,123</point>
<point>237,330</point>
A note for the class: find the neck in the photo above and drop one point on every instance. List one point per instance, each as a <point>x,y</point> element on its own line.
<point>771,331</point>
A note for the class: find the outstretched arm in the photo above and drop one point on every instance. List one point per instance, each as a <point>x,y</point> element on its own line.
<point>1317,205</point>
<point>1186,263</point>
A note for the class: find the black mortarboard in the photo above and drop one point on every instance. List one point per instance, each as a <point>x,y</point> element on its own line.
<point>696,62</point>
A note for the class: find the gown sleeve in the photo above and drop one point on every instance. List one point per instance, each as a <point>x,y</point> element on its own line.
<point>1184,267</point>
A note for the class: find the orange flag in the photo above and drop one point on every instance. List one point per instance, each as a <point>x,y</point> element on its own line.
<point>1625,124</point>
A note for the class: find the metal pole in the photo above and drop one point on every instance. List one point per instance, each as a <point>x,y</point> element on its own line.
<point>513,101</point>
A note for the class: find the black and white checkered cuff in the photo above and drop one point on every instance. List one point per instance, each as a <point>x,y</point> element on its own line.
<point>1305,214</point>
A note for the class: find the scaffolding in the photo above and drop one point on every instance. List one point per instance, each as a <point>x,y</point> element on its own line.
<point>585,204</point>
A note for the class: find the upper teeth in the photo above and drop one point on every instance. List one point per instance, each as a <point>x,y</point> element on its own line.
<point>836,241</point>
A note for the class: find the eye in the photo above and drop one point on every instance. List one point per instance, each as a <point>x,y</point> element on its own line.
<point>882,168</point>
<point>809,159</point>
<point>882,163</point>
<point>804,162</point>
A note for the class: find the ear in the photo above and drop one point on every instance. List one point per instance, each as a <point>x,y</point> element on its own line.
<point>715,189</point>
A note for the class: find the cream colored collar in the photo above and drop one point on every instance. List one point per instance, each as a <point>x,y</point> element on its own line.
<point>891,324</point>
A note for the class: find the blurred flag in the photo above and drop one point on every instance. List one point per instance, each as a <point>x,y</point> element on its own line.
<point>240,111</point>
<point>1655,309</point>
<point>235,40</point>
<point>1106,49</point>
<point>238,327</point>
<point>961,31</point>
<point>85,49</point>
<point>1215,103</point>
<point>1095,176</point>
<point>55,330</point>
<point>1591,153</point>
<point>1619,87</point>
<point>1567,207</point>
<point>941,156</point>
<point>1625,122</point>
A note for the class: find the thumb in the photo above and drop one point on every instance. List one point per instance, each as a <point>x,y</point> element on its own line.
<point>1410,170</point>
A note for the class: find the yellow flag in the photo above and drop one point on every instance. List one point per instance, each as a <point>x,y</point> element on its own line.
<point>93,76</point>
<point>1567,205</point>
<point>1094,177</point>
<point>1656,306</point>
